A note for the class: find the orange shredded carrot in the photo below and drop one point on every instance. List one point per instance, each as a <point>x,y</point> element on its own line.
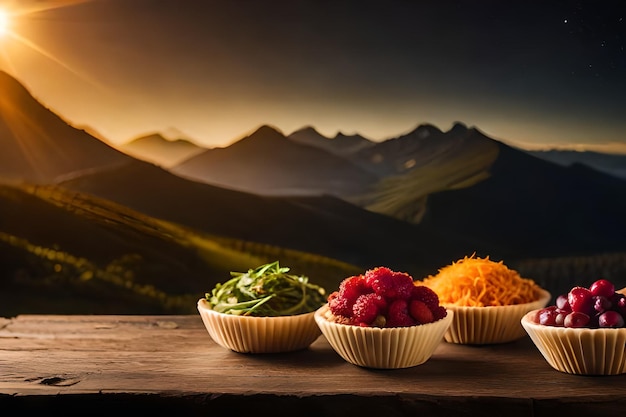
<point>480,282</point>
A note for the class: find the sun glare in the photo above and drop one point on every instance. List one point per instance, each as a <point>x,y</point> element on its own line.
<point>4,23</point>
<point>15,16</point>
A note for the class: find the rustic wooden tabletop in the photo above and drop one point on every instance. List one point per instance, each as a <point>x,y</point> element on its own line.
<point>98,365</point>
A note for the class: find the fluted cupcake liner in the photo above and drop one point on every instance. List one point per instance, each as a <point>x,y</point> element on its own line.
<point>249,334</point>
<point>383,348</point>
<point>491,324</point>
<point>580,351</point>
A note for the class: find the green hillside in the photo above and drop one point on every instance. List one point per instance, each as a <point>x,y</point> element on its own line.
<point>404,196</point>
<point>71,253</point>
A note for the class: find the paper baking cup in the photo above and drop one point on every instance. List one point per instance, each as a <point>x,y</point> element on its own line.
<point>491,324</point>
<point>248,334</point>
<point>383,348</point>
<point>581,351</point>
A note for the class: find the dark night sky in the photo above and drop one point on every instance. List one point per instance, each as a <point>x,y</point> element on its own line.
<point>530,73</point>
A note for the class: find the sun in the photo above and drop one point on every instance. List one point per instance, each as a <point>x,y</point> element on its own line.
<point>11,40</point>
<point>5,23</point>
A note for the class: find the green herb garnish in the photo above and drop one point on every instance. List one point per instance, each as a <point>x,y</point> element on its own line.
<point>267,290</point>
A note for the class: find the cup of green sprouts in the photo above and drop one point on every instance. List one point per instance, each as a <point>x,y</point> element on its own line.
<point>264,310</point>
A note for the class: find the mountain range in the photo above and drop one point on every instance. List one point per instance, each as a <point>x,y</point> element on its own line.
<point>267,162</point>
<point>329,206</point>
<point>612,164</point>
<point>160,151</point>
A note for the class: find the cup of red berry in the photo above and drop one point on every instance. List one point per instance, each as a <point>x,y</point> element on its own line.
<point>381,319</point>
<point>584,332</point>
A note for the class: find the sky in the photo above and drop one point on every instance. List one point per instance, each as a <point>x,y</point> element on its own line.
<point>534,74</point>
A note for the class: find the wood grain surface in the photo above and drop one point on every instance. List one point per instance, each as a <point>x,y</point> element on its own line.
<point>99,365</point>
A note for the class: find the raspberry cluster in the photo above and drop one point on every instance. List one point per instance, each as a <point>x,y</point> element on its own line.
<point>384,298</point>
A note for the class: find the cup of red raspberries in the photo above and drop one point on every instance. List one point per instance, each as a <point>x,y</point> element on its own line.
<point>584,332</point>
<point>382,319</point>
<point>384,298</point>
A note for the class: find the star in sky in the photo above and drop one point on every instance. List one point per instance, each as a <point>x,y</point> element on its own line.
<point>599,26</point>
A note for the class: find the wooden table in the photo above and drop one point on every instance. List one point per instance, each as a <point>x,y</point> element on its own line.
<point>169,365</point>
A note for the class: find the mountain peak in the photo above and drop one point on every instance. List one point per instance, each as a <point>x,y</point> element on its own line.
<point>342,136</point>
<point>458,127</point>
<point>149,137</point>
<point>267,130</point>
<point>155,148</point>
<point>306,130</point>
<point>262,138</point>
<point>426,129</point>
<point>340,144</point>
<point>55,148</point>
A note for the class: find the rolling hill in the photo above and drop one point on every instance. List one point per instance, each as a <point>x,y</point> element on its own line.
<point>439,162</point>
<point>326,226</point>
<point>536,208</point>
<point>71,253</point>
<point>88,220</point>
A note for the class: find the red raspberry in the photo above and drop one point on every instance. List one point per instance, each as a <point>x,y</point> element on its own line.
<point>373,277</point>
<point>420,312</point>
<point>398,314</point>
<point>439,312</point>
<point>388,283</point>
<point>404,285</point>
<point>341,302</point>
<point>339,305</point>
<point>351,287</point>
<point>425,295</point>
<point>367,308</point>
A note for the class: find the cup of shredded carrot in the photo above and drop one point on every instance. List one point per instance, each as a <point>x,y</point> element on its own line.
<point>488,299</point>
